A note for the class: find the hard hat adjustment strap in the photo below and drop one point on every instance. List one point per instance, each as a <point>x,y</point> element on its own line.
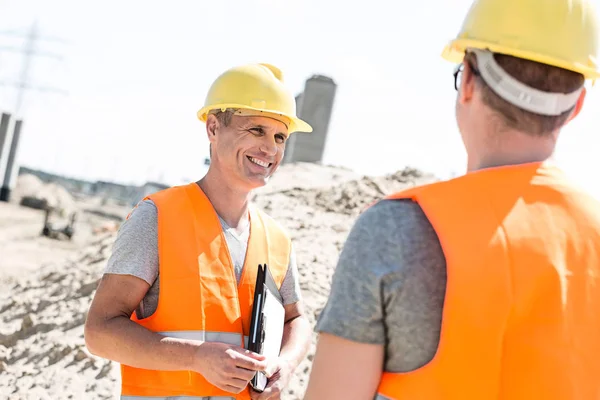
<point>519,94</point>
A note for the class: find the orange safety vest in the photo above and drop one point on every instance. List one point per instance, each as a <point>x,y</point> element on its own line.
<point>521,317</point>
<point>199,295</point>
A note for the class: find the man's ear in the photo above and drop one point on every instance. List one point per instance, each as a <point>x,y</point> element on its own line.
<point>578,106</point>
<point>212,127</point>
<point>466,90</point>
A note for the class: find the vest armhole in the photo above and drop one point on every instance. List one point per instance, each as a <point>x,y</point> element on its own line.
<point>271,285</point>
<point>279,252</point>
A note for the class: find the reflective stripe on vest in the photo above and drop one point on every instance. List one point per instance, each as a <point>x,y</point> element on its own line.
<point>221,337</point>
<point>200,298</point>
<point>520,314</point>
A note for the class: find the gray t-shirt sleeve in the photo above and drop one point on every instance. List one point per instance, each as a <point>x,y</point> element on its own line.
<point>290,287</point>
<point>389,285</point>
<point>354,309</point>
<point>135,250</point>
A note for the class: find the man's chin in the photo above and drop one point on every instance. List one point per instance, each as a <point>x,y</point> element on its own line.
<point>256,182</point>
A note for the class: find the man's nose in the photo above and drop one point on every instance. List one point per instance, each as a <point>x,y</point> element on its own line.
<point>268,146</point>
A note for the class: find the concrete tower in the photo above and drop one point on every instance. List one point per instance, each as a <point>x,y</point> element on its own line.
<point>315,106</point>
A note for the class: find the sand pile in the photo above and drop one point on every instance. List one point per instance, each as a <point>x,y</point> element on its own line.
<point>307,175</point>
<point>27,185</point>
<point>30,191</point>
<point>353,196</point>
<point>42,352</point>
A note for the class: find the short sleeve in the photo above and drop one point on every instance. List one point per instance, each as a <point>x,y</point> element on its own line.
<point>135,250</point>
<point>354,307</point>
<point>290,288</point>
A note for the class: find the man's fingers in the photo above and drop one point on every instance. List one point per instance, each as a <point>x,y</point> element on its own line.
<point>242,373</point>
<point>271,370</point>
<point>235,385</point>
<point>254,395</point>
<point>243,361</point>
<point>270,393</point>
<point>249,353</point>
<point>231,389</point>
<point>256,356</point>
<point>229,370</point>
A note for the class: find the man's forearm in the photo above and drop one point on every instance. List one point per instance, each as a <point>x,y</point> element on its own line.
<point>122,340</point>
<point>296,341</point>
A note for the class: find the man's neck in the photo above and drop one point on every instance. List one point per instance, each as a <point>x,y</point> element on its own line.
<point>230,204</point>
<point>512,149</point>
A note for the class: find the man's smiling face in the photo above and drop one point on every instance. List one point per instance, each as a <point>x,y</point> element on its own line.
<point>249,149</point>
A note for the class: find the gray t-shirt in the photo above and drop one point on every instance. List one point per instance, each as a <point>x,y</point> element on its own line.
<point>135,252</point>
<point>389,285</point>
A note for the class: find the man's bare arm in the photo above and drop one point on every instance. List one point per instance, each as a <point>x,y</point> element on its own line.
<point>109,333</point>
<point>344,369</point>
<point>296,335</point>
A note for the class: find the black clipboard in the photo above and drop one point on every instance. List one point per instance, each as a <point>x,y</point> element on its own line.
<point>256,342</point>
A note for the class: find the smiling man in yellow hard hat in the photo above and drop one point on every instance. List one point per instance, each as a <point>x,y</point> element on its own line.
<point>174,305</point>
<point>486,286</point>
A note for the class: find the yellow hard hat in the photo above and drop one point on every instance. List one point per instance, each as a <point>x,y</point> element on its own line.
<point>254,89</point>
<point>562,33</point>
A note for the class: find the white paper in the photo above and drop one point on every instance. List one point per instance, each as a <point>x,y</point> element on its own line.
<point>274,315</point>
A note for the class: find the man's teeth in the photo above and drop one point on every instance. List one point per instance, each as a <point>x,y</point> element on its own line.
<point>259,162</point>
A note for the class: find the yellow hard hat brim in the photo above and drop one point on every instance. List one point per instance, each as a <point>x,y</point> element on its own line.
<point>295,123</point>
<point>455,52</point>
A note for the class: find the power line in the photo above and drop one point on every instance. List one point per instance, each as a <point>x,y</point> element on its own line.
<point>46,38</point>
<point>29,51</point>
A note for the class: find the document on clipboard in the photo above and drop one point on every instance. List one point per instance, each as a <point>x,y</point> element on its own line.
<point>268,319</point>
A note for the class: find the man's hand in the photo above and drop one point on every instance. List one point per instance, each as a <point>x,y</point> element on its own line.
<point>280,373</point>
<point>228,367</point>
<point>296,339</point>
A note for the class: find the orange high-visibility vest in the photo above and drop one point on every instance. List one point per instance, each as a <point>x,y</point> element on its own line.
<point>199,295</point>
<point>521,317</point>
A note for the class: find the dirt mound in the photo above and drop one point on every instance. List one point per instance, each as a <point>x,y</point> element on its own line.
<point>27,185</point>
<point>31,192</point>
<point>42,350</point>
<point>353,196</point>
<point>306,175</point>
